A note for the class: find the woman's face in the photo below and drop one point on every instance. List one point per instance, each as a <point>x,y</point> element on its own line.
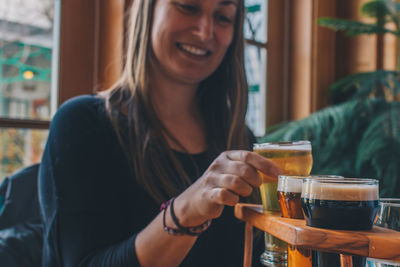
<point>189,38</point>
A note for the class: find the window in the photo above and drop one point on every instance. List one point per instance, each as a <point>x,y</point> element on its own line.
<point>255,32</point>
<point>28,79</point>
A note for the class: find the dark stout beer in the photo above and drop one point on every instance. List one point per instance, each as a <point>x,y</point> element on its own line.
<point>344,215</point>
<point>343,203</point>
<point>346,204</point>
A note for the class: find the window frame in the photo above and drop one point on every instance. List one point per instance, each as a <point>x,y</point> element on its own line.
<point>89,55</point>
<point>87,34</point>
<point>264,47</point>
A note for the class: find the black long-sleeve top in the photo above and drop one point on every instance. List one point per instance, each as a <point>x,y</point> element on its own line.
<point>93,207</point>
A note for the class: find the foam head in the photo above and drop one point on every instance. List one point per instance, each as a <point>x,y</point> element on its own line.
<point>341,189</point>
<point>292,184</point>
<point>284,145</point>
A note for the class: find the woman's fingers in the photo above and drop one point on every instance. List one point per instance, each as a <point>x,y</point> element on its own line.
<point>223,196</point>
<point>258,162</point>
<point>236,184</point>
<point>237,172</point>
<point>245,171</point>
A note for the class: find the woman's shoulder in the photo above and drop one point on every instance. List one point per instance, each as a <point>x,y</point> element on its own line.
<point>86,111</point>
<point>82,103</point>
<point>81,106</point>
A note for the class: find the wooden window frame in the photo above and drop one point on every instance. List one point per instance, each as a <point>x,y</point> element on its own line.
<point>276,88</point>
<point>90,52</point>
<point>301,58</point>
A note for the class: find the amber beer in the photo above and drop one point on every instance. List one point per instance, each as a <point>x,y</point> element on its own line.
<point>294,158</point>
<point>289,197</point>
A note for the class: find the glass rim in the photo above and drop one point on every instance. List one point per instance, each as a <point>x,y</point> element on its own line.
<point>311,176</point>
<point>393,202</point>
<point>281,144</point>
<point>342,180</point>
<point>341,189</point>
<point>294,183</point>
<point>326,176</point>
<point>294,177</point>
<point>288,183</point>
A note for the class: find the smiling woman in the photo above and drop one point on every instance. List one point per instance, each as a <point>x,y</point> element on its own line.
<point>170,133</point>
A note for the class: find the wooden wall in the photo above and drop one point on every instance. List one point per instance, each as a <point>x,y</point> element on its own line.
<point>90,46</point>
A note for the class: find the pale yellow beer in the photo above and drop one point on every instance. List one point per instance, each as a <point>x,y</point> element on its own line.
<point>292,162</point>
<point>294,158</point>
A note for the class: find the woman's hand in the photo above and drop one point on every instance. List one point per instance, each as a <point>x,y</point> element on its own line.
<point>232,174</point>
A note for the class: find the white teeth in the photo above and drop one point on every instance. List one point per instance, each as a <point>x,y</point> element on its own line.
<point>194,50</point>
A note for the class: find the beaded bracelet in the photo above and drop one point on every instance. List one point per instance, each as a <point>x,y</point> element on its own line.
<point>181,230</point>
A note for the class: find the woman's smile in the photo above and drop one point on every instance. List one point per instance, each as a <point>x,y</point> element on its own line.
<point>193,50</point>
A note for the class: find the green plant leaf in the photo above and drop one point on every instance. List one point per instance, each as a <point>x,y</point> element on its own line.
<point>381,83</point>
<point>323,128</point>
<point>379,150</point>
<point>353,28</point>
<point>384,11</point>
<point>345,88</point>
<point>379,9</point>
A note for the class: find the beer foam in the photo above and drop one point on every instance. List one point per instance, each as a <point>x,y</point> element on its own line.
<point>299,145</point>
<point>290,184</point>
<point>277,147</point>
<point>345,192</point>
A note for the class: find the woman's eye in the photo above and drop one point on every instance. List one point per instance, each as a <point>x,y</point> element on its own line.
<point>224,19</point>
<point>187,8</point>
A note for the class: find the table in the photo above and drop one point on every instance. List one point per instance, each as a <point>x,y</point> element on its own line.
<point>379,242</point>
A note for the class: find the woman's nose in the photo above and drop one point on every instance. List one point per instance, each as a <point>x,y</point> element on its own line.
<point>205,28</point>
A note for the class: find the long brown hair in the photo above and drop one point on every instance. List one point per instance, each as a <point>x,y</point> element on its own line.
<point>221,98</point>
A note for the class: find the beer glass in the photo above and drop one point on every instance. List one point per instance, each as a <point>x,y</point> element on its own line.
<point>294,158</point>
<point>342,203</point>
<point>388,217</point>
<point>289,197</point>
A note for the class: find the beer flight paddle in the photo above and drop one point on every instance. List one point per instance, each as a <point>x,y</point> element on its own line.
<point>344,203</point>
<point>378,243</point>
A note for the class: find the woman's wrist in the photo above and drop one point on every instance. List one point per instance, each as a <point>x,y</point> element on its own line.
<point>186,214</point>
<point>179,229</point>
